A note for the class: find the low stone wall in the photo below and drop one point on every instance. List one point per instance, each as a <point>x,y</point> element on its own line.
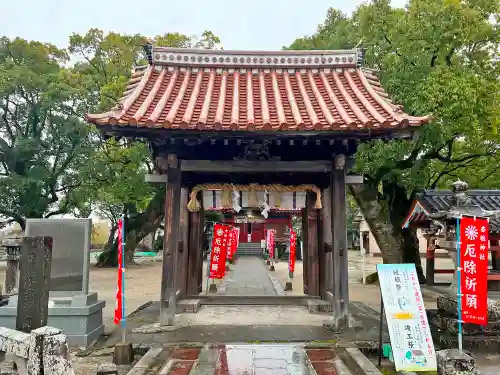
<point>43,351</point>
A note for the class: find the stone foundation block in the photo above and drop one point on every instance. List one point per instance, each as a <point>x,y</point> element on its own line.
<point>188,306</point>
<point>454,362</point>
<point>318,306</point>
<point>449,304</point>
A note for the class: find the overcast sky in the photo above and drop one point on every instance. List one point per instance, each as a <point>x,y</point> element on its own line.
<point>254,24</point>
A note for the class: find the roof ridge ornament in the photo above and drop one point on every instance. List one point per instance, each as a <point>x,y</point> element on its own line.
<point>148,50</point>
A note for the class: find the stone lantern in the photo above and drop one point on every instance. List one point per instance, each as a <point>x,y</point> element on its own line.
<point>462,206</point>
<point>13,253</point>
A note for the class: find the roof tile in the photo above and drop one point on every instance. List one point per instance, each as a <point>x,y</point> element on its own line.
<point>241,91</point>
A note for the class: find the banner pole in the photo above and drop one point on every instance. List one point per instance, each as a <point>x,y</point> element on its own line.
<point>209,256</point>
<point>124,323</point>
<point>459,292</point>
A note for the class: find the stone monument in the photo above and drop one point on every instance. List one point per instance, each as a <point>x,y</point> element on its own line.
<point>71,307</point>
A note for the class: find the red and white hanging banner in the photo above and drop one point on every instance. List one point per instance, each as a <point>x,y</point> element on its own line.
<point>237,231</point>
<point>474,247</point>
<point>231,244</point>
<point>119,290</point>
<point>219,252</point>
<point>271,235</point>
<point>291,257</point>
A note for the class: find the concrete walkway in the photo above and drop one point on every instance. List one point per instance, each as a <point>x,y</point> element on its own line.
<point>249,277</point>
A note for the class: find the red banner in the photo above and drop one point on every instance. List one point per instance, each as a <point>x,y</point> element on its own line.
<point>291,257</point>
<point>219,252</point>
<point>231,244</point>
<point>118,307</point>
<point>474,265</point>
<point>270,242</point>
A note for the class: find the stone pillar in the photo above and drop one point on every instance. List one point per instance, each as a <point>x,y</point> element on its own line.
<point>339,244</point>
<point>34,283</point>
<point>430,260</point>
<point>168,299</point>
<point>12,251</point>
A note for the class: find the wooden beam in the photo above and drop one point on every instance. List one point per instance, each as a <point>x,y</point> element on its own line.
<point>255,166</point>
<point>350,179</point>
<point>168,300</point>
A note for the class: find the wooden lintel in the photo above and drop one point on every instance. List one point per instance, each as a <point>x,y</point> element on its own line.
<point>255,166</point>
<point>162,178</point>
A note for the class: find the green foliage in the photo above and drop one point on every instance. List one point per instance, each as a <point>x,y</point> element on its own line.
<point>43,136</point>
<point>434,57</point>
<point>51,161</point>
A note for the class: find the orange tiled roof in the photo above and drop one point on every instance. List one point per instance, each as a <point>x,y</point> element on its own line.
<point>248,91</point>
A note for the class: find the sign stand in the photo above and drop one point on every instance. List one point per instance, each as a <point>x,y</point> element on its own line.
<point>381,331</point>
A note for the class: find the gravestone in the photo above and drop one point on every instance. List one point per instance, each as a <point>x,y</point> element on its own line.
<point>33,300</point>
<point>70,251</point>
<point>71,307</point>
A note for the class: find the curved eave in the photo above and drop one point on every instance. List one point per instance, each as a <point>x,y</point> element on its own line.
<point>204,99</point>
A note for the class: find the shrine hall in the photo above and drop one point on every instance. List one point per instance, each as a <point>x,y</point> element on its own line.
<point>266,133</point>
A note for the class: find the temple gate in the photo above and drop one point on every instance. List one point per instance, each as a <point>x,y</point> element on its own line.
<point>287,118</point>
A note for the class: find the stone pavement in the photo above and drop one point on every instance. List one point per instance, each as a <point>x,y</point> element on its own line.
<point>248,277</point>
<point>246,359</point>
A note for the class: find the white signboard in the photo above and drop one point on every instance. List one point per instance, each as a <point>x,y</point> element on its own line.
<point>411,340</point>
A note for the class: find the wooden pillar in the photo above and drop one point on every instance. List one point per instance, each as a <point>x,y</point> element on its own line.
<point>168,299</point>
<point>339,244</point>
<point>201,239</point>
<point>325,246</point>
<point>195,252</point>
<point>305,252</point>
<point>311,218</point>
<point>182,263</point>
<point>430,261</point>
<point>495,255</point>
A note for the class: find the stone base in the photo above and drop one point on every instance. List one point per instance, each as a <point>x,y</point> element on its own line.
<point>212,288</point>
<point>271,268</point>
<point>107,369</point>
<point>123,354</point>
<point>449,305</point>
<point>288,286</point>
<point>485,344</point>
<point>78,315</point>
<point>442,321</point>
<point>454,362</point>
<point>268,262</point>
<point>188,306</point>
<point>318,306</point>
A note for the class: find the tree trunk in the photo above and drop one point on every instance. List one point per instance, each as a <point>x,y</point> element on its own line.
<point>137,226</point>
<point>384,214</point>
